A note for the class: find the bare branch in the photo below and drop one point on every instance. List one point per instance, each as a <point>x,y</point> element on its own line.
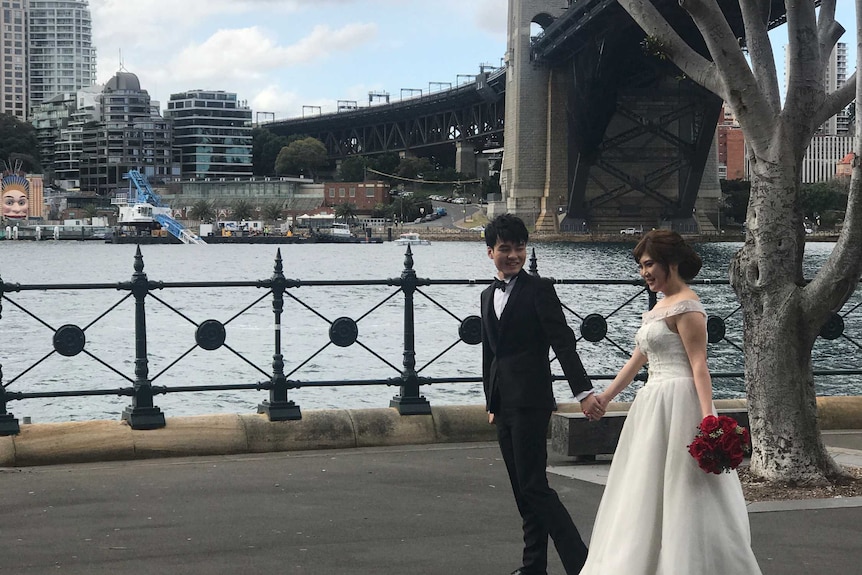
<point>805,65</point>
<point>827,15</point>
<point>838,277</point>
<point>828,38</point>
<point>836,101</point>
<point>755,16</point>
<point>695,66</point>
<point>743,91</point>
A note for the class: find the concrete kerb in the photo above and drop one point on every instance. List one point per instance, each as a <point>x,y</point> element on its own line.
<point>90,441</point>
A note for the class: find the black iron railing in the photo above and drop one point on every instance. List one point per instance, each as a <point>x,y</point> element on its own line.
<point>70,340</point>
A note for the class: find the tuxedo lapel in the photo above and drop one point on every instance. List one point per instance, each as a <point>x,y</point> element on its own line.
<point>491,325</point>
<point>510,308</point>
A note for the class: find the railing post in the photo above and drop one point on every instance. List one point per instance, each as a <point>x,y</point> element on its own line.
<point>534,264</point>
<point>278,408</point>
<point>653,298</point>
<point>142,414</point>
<point>408,401</point>
<point>8,423</point>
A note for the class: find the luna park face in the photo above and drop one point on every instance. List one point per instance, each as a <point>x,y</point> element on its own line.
<point>15,204</point>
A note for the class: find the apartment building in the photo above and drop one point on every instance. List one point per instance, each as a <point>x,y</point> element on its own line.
<point>13,58</point>
<point>212,134</point>
<point>61,58</point>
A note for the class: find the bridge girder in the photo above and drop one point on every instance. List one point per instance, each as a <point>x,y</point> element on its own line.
<point>469,113</point>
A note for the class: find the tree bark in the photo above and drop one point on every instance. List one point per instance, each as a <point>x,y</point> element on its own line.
<point>781,315</point>
<point>778,334</point>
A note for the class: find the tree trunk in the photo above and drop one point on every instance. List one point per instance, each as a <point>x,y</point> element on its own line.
<point>766,275</point>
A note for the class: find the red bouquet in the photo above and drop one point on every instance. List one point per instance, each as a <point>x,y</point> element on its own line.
<point>720,444</point>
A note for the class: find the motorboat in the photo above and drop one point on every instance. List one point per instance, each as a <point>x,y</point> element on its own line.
<point>411,239</point>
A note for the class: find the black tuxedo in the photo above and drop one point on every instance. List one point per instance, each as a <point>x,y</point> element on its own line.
<point>516,374</point>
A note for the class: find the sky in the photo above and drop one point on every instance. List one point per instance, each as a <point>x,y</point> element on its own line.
<point>287,57</point>
<point>282,55</point>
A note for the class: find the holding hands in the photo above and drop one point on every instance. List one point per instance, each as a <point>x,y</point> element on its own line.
<point>594,406</point>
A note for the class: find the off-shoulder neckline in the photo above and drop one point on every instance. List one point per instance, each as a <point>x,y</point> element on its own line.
<point>683,305</point>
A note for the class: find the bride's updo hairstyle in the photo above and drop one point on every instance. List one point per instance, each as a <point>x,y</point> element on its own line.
<point>667,248</point>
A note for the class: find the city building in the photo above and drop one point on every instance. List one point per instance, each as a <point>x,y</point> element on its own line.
<point>820,163</point>
<point>212,134</point>
<point>49,118</point>
<point>61,56</point>
<point>363,195</point>
<point>731,147</point>
<point>126,133</point>
<point>13,58</point>
<point>66,162</point>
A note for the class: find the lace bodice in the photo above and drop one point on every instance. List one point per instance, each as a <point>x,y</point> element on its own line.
<point>663,347</point>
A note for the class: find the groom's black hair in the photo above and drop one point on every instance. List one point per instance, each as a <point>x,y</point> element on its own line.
<point>508,228</point>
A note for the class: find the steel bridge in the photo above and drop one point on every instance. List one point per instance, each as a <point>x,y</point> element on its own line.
<point>586,116</point>
<point>472,112</point>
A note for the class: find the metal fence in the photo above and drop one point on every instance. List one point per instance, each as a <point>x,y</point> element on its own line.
<point>603,327</point>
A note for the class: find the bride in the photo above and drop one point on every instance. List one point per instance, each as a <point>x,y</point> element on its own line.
<point>660,513</point>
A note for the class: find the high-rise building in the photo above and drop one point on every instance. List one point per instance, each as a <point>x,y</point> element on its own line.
<point>212,134</point>
<point>62,58</point>
<point>128,133</point>
<point>13,58</point>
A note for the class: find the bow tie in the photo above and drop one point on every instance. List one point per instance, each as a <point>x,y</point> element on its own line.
<point>500,284</point>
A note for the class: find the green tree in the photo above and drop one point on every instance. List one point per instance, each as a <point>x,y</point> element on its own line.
<point>735,194</point>
<point>353,169</point>
<point>346,212</point>
<point>18,142</point>
<point>405,209</point>
<point>382,210</point>
<point>202,210</point>
<point>272,211</point>
<point>412,168</point>
<point>822,197</point>
<point>385,163</point>
<point>242,210</point>
<point>782,314</point>
<point>303,156</point>
<point>265,149</point>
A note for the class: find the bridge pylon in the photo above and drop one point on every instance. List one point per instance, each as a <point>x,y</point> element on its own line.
<point>524,175</point>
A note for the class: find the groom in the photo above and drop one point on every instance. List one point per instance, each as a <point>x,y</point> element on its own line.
<point>522,318</point>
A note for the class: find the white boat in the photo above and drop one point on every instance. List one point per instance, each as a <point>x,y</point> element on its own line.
<point>411,239</point>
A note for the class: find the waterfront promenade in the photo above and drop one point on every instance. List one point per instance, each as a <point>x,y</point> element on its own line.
<point>432,509</point>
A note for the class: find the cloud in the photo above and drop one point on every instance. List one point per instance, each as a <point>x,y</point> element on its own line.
<point>491,17</point>
<point>251,54</point>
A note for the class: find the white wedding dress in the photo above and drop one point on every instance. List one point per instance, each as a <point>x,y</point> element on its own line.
<point>660,513</point>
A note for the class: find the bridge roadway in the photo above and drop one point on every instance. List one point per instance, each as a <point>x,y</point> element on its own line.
<point>417,509</point>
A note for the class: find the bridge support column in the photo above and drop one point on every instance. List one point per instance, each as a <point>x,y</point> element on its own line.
<point>557,152</point>
<point>465,158</point>
<point>524,170</point>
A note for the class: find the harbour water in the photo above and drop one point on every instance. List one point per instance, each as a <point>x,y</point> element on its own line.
<point>173,312</point>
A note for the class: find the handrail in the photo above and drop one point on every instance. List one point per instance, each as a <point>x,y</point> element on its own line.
<point>409,374</point>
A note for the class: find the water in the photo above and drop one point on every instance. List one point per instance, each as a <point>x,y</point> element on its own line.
<point>110,331</point>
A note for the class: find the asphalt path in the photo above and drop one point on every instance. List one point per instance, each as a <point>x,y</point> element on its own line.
<point>434,509</point>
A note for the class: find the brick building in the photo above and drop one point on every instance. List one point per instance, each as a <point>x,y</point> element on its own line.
<point>363,195</point>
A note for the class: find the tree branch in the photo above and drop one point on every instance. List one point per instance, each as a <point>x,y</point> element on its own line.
<point>755,16</point>
<point>836,101</point>
<point>695,66</point>
<point>837,279</point>
<point>805,64</point>
<point>743,91</point>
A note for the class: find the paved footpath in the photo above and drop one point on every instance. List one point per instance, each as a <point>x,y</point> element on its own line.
<point>436,509</point>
